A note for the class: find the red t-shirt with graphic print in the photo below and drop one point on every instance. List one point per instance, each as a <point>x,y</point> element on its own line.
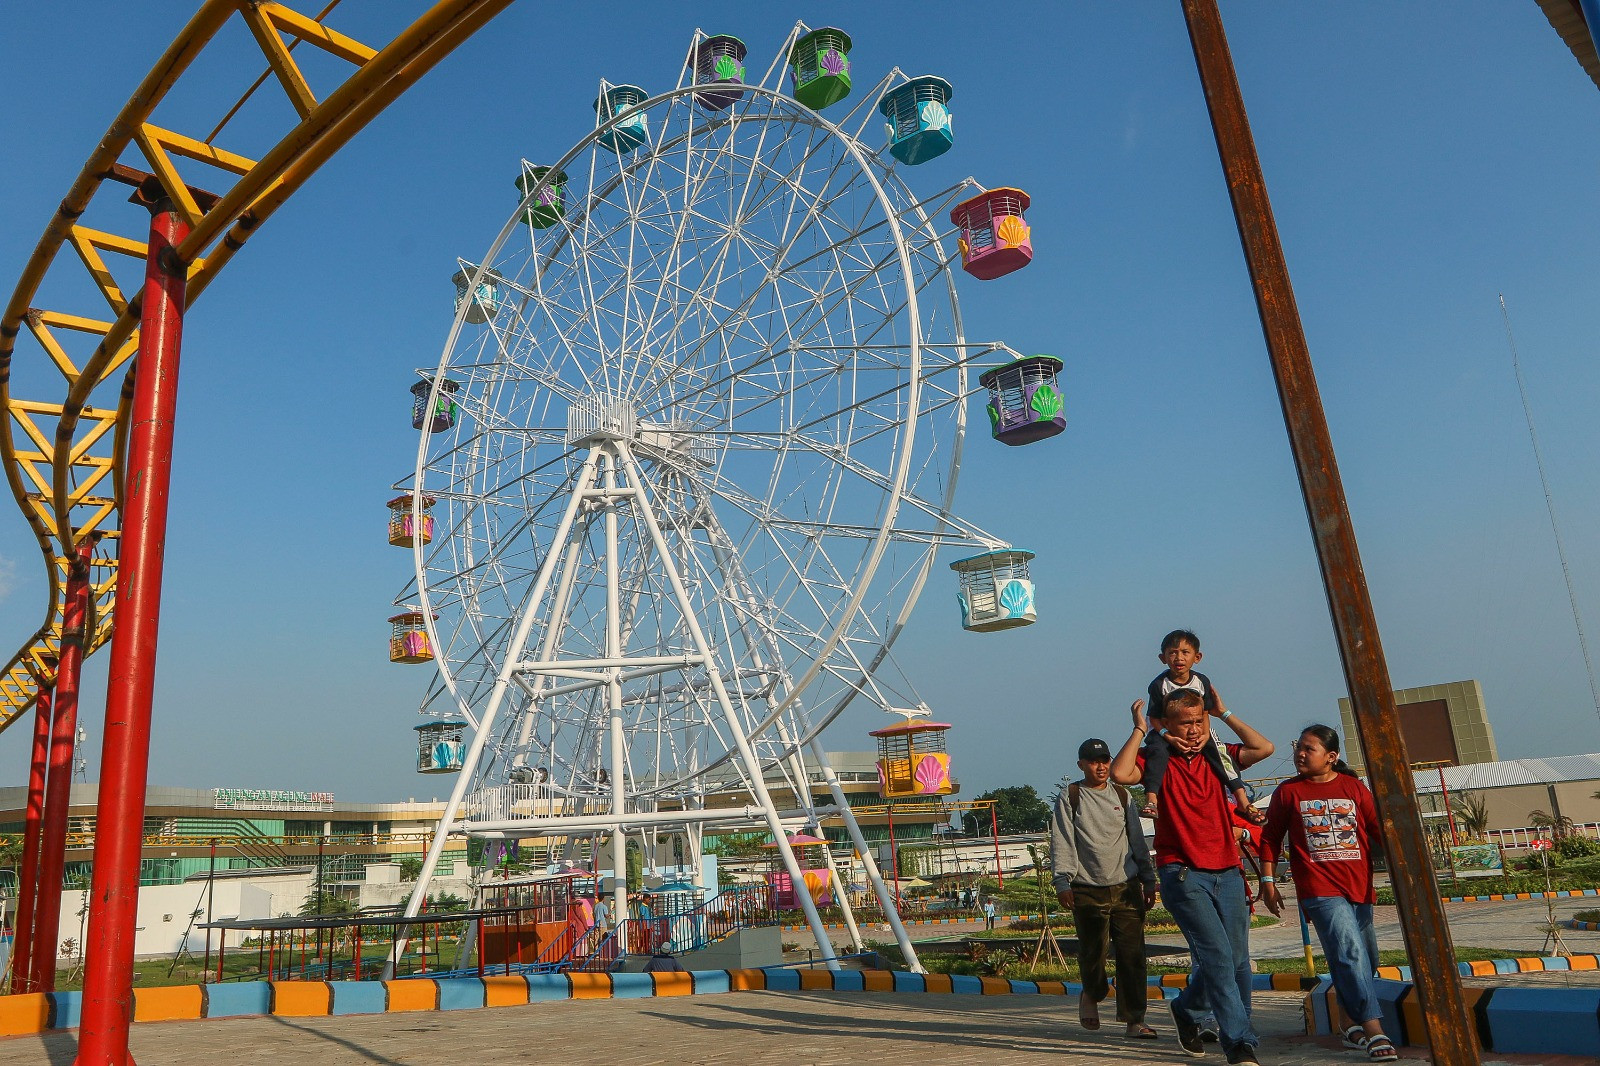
<point>1331,829</point>
<point>1193,823</point>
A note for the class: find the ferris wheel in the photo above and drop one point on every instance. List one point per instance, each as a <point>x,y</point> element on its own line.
<point>690,449</point>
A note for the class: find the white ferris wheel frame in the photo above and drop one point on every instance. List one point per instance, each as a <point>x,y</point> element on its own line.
<point>610,457</point>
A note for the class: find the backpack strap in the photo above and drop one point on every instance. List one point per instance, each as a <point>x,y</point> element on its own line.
<point>1123,797</point>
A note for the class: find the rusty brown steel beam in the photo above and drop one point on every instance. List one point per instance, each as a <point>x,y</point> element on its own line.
<point>1451,1032</point>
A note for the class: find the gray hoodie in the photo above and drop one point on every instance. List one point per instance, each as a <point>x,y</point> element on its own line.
<point>1102,844</point>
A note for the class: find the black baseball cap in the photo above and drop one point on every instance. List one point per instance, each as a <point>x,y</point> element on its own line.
<point>1093,750</point>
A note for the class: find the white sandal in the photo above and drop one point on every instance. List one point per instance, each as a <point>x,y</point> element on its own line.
<point>1381,1049</point>
<point>1355,1038</point>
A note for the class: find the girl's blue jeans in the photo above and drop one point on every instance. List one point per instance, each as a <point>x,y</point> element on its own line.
<point>1351,946</point>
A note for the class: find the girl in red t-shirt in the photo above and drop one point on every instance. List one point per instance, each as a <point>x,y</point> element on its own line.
<point>1331,824</point>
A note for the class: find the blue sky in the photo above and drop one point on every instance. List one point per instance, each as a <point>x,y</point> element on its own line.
<point>1419,165</point>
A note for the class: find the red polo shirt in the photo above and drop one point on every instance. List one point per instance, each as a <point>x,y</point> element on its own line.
<point>1193,823</point>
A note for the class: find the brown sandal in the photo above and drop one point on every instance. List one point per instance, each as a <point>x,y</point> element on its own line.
<point>1140,1031</point>
<point>1088,1012</point>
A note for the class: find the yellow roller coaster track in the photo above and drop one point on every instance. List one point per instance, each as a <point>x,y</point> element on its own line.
<point>63,457</point>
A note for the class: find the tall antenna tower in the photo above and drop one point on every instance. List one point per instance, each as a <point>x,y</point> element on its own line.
<point>1550,506</point>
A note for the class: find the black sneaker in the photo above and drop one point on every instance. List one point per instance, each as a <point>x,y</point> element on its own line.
<point>1188,1032</point>
<point>1245,1054</point>
<point>1209,1035</point>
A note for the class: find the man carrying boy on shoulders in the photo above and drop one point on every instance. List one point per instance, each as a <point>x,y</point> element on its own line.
<point>1197,863</point>
<point>1104,875</point>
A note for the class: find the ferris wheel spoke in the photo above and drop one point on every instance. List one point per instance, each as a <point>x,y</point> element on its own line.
<point>811,213</point>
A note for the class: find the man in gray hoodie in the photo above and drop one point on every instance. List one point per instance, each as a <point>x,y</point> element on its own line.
<point>1103,873</point>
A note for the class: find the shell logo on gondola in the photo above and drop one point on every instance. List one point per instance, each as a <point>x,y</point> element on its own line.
<point>727,68</point>
<point>1012,231</point>
<point>1015,599</point>
<point>932,775</point>
<point>1046,401</point>
<point>935,116</point>
<point>834,63</point>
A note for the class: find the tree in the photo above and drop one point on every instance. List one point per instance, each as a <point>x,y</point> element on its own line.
<point>1018,809</point>
<point>1560,826</point>
<point>330,904</point>
<point>1471,814</point>
<point>410,868</point>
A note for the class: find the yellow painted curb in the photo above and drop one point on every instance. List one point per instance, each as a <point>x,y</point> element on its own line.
<point>177,1003</point>
<point>300,999</point>
<point>415,994</point>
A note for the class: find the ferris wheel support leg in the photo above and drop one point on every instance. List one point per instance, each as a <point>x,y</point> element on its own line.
<point>125,756</point>
<point>843,897</point>
<point>58,790</point>
<point>803,790</point>
<point>619,753</point>
<point>747,755</point>
<point>733,573</point>
<point>552,634</point>
<point>480,738</point>
<point>874,876</point>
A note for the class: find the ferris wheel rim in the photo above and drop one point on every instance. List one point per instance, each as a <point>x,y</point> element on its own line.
<point>905,444</point>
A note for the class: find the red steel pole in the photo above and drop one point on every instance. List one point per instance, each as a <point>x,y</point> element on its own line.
<point>58,787</point>
<point>1450,814</point>
<point>125,760</point>
<point>23,935</point>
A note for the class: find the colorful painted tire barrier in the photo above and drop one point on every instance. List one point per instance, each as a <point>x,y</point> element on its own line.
<point>1532,1021</point>
<point>1491,967</point>
<point>1573,923</point>
<point>1503,897</point>
<point>40,1012</point>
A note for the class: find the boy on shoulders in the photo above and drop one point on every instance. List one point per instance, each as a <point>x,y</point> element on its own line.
<point>1180,653</point>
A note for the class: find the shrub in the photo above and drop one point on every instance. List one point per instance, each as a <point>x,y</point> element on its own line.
<point>1576,847</point>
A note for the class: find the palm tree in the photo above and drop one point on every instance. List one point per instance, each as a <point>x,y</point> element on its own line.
<point>1471,814</point>
<point>1559,827</point>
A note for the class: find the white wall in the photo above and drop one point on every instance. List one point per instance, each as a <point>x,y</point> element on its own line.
<point>164,910</point>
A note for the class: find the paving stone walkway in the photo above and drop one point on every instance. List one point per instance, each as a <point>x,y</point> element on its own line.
<point>785,1029</point>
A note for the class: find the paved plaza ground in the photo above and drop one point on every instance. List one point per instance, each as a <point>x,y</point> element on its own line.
<point>791,1029</point>
<point>745,1027</point>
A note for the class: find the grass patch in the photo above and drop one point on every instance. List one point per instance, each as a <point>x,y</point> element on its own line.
<point>1022,971</point>
<point>1590,915</point>
<point>246,964</point>
<point>1157,920</point>
<point>1566,875</point>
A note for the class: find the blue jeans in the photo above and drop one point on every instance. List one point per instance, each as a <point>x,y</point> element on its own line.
<point>1351,946</point>
<point>1213,912</point>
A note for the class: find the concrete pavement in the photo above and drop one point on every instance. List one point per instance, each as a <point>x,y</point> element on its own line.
<point>791,1029</point>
